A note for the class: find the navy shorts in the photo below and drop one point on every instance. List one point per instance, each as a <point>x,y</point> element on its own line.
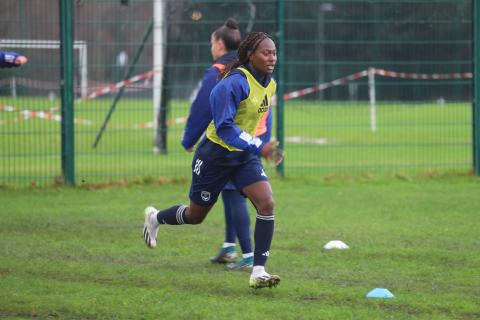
<point>230,186</point>
<point>213,166</point>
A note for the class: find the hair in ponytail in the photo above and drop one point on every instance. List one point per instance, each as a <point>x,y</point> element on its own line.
<point>229,33</point>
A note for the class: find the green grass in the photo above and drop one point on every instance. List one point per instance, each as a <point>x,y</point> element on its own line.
<point>78,253</point>
<point>410,138</point>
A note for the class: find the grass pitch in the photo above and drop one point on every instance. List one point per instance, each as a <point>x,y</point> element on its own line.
<point>78,253</point>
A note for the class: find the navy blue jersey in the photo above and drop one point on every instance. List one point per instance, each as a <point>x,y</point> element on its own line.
<point>7,59</point>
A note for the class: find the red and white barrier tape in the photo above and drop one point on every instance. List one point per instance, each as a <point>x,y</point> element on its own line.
<point>378,72</point>
<point>30,114</point>
<point>422,76</point>
<point>114,87</point>
<point>325,85</point>
<point>26,114</point>
<point>109,88</point>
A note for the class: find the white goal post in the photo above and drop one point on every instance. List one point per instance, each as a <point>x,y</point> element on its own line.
<point>79,45</point>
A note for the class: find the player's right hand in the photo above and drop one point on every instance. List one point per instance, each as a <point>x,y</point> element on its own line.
<point>272,152</point>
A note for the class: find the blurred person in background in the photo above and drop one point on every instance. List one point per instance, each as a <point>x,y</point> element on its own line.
<point>9,59</point>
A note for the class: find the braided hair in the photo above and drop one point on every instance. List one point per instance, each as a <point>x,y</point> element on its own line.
<point>246,49</point>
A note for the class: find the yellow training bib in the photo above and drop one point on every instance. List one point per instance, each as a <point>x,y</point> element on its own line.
<point>249,111</point>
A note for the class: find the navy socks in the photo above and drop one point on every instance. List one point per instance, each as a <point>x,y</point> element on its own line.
<point>228,206</point>
<point>173,215</point>
<point>237,219</point>
<point>263,238</point>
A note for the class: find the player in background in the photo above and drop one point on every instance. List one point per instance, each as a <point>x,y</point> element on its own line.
<point>224,44</point>
<point>10,59</point>
<point>230,152</point>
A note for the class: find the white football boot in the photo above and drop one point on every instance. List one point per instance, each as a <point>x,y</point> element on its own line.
<point>263,280</point>
<point>150,228</point>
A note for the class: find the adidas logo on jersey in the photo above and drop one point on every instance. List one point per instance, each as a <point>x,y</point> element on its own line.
<point>264,105</point>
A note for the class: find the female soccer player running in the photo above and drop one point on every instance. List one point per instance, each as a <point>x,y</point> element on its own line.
<point>225,41</point>
<point>230,152</point>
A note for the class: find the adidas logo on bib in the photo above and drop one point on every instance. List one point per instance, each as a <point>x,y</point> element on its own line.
<point>264,105</point>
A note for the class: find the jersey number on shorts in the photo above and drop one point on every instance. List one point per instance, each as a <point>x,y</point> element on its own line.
<point>198,164</point>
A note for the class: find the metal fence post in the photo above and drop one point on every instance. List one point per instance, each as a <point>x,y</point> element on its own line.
<point>280,77</point>
<point>475,86</point>
<point>66,89</point>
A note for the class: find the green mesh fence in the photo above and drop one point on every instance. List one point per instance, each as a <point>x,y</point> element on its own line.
<point>370,86</point>
<point>419,121</point>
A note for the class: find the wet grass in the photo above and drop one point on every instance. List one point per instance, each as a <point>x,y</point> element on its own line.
<point>78,253</point>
